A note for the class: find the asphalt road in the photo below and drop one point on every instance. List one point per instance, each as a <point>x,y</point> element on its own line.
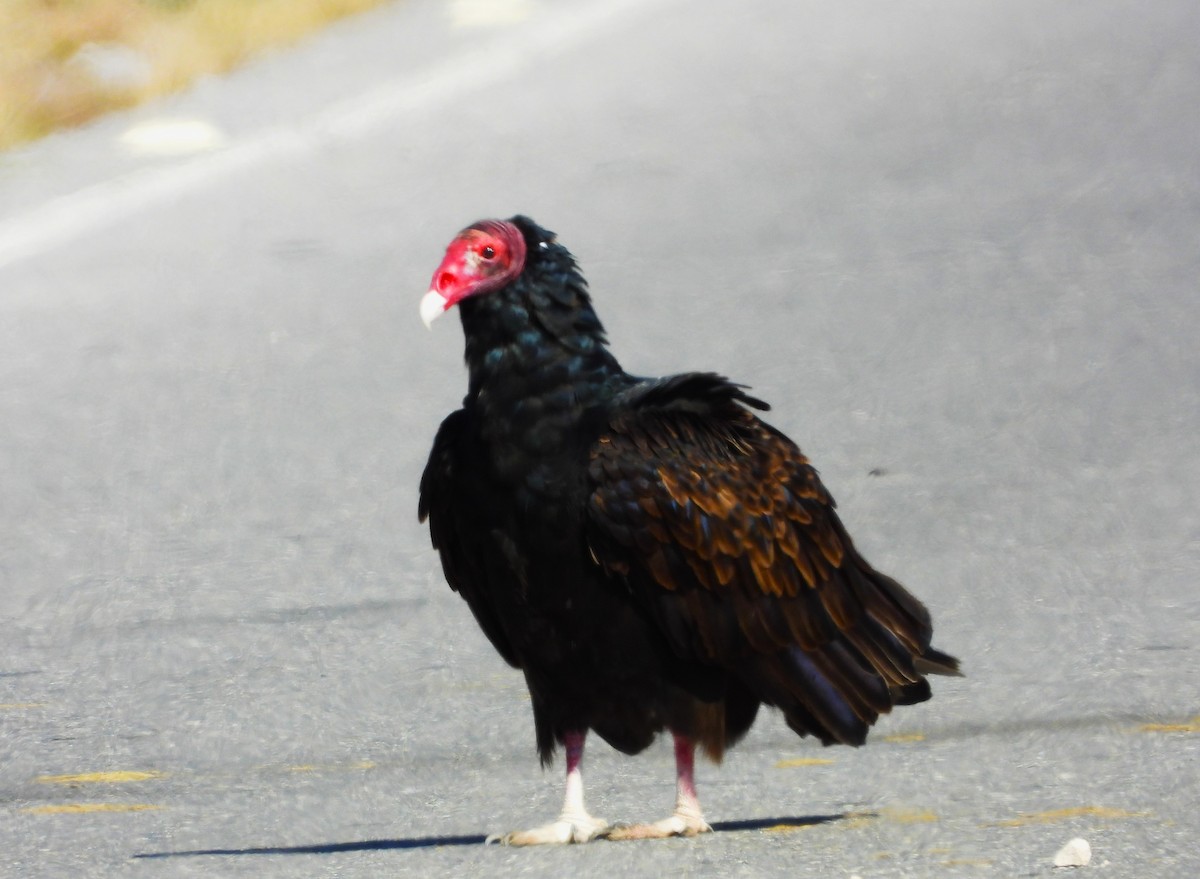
<point>955,245</point>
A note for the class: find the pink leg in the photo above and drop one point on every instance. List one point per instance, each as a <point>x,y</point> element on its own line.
<point>573,800</point>
<point>686,800</point>
<point>687,819</point>
<point>574,824</point>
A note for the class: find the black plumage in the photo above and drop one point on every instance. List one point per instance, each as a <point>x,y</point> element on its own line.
<point>648,552</point>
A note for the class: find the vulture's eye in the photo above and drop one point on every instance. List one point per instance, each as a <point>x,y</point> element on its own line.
<point>488,252</point>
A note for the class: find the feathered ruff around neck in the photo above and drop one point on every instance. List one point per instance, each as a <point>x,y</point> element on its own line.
<point>540,326</point>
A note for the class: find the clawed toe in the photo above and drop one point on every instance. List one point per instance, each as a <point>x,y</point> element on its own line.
<point>575,825</point>
<point>676,825</point>
<point>575,829</point>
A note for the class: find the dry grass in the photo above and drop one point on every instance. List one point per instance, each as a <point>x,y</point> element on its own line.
<point>42,88</point>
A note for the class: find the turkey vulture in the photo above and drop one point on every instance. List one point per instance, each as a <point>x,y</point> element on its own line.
<point>647,551</point>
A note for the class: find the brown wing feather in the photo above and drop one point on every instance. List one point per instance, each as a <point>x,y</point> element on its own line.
<point>722,527</point>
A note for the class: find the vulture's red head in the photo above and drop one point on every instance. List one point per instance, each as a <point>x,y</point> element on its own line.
<point>483,257</point>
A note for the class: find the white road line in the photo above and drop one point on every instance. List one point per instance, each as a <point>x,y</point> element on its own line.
<point>63,219</point>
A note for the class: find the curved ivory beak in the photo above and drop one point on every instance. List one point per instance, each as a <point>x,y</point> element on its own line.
<point>433,304</point>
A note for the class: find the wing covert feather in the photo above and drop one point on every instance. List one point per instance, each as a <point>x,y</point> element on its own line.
<point>722,528</point>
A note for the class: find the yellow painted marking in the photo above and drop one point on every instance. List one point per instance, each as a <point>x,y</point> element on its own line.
<point>20,706</point>
<point>803,761</point>
<point>98,777</point>
<point>909,816</point>
<point>74,808</point>
<point>788,828</point>
<point>1191,726</point>
<point>329,767</point>
<point>1027,818</point>
<point>905,737</point>
<point>854,820</point>
<point>967,862</point>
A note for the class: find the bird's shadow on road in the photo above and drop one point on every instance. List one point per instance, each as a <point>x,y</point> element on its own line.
<point>369,845</point>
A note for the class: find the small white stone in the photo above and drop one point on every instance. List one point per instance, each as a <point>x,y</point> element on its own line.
<point>1076,853</point>
<point>489,13</point>
<point>172,137</point>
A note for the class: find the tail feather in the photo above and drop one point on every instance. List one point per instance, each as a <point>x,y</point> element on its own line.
<point>935,662</point>
<point>900,623</point>
<point>813,704</point>
<point>911,694</point>
<point>834,683</point>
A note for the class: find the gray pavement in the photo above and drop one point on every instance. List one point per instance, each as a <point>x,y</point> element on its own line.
<point>955,245</point>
